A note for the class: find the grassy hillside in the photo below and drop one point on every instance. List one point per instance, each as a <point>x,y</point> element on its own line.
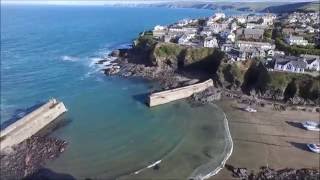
<point>314,6</point>
<point>272,7</point>
<point>178,56</point>
<point>303,6</point>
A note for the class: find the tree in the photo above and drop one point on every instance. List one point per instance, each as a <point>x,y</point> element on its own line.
<point>290,90</point>
<point>263,79</point>
<point>305,89</point>
<point>260,21</point>
<point>256,78</point>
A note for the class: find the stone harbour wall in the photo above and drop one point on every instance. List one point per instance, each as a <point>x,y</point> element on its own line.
<point>178,93</point>
<point>30,124</point>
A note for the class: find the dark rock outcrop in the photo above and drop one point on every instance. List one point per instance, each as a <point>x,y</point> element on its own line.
<point>269,173</point>
<point>30,155</point>
<point>209,95</point>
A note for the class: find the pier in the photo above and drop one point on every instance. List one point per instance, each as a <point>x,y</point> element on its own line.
<point>30,124</point>
<point>178,93</point>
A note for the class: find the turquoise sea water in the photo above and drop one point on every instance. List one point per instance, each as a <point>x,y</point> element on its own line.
<point>49,51</point>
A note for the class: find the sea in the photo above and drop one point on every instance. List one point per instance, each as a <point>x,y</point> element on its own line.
<point>51,51</point>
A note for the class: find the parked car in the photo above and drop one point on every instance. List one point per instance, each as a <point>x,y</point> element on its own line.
<point>314,147</point>
<point>311,125</point>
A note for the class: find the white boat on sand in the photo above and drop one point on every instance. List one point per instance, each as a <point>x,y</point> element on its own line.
<point>311,125</point>
<point>249,109</point>
<point>314,147</point>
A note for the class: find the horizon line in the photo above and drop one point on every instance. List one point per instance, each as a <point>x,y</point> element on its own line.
<point>137,2</point>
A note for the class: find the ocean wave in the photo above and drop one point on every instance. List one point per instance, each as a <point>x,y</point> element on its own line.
<point>69,58</point>
<point>94,60</point>
<point>149,166</point>
<point>101,59</point>
<point>124,46</point>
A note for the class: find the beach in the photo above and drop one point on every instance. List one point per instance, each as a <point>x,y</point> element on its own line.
<point>268,138</point>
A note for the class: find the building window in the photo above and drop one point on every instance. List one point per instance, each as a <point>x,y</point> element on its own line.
<point>289,67</point>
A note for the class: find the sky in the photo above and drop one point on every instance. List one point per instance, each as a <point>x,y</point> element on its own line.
<point>110,2</point>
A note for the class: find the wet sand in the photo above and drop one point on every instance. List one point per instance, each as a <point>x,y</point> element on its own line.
<point>269,138</point>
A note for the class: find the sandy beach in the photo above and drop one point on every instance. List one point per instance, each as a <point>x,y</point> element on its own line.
<point>269,138</point>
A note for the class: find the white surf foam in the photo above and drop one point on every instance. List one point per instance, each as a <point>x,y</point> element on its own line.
<point>223,162</point>
<point>69,58</point>
<point>148,167</point>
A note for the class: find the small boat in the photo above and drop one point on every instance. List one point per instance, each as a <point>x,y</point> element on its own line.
<point>311,125</point>
<point>314,147</point>
<point>251,110</point>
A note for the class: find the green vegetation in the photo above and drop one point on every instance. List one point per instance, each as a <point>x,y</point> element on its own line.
<point>145,42</point>
<point>187,57</point>
<point>250,75</point>
<point>310,7</point>
<point>167,50</point>
<point>295,50</point>
<point>292,50</point>
<point>193,55</point>
<point>285,8</point>
<point>306,86</point>
<point>232,74</point>
<point>290,90</point>
<point>256,78</point>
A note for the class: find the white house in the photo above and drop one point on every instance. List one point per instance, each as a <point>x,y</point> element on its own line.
<point>218,27</point>
<point>249,44</point>
<point>310,29</point>
<point>313,62</point>
<point>292,20</point>
<point>227,47</point>
<point>278,53</point>
<point>227,35</point>
<point>218,16</point>
<point>158,27</point>
<point>253,18</point>
<point>185,22</point>
<point>241,19</point>
<point>256,26</point>
<point>296,40</point>
<point>210,42</point>
<point>268,19</point>
<point>270,52</point>
<point>233,26</point>
<point>289,64</point>
<point>159,31</point>
<point>185,39</point>
<point>206,31</point>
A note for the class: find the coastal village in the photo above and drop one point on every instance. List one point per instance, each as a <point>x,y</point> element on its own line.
<point>282,50</point>
<point>275,57</point>
<point>252,36</point>
<point>265,66</point>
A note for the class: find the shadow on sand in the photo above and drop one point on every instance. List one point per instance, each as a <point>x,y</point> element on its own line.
<point>47,174</point>
<point>301,146</point>
<point>238,108</point>
<point>295,124</point>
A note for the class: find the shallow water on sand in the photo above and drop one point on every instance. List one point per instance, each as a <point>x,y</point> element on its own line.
<point>49,51</point>
<point>182,136</point>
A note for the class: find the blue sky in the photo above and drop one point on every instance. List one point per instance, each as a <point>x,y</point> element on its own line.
<point>101,2</point>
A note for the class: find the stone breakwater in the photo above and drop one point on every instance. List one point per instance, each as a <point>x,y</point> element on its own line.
<point>24,145</point>
<point>178,93</point>
<point>30,124</point>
